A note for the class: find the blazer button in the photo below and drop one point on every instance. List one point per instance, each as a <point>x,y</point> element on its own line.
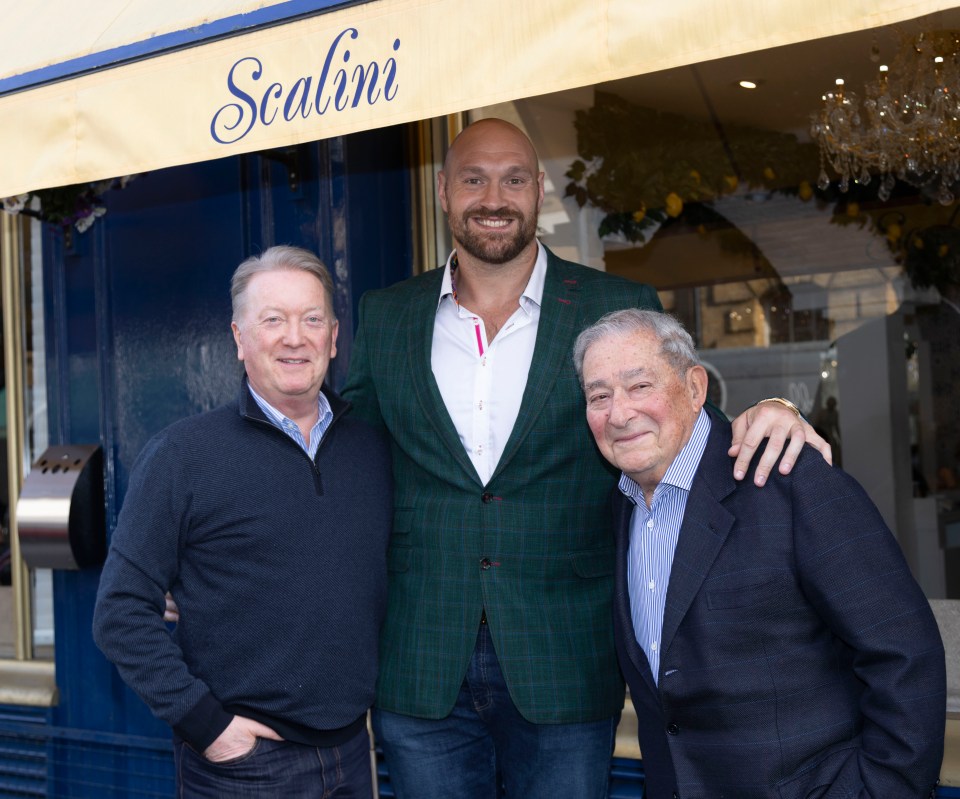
<point>486,496</point>
<point>485,564</point>
<point>673,729</point>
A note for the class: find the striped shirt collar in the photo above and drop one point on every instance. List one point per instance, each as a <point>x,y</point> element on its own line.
<point>288,426</point>
<point>532,293</point>
<point>681,472</point>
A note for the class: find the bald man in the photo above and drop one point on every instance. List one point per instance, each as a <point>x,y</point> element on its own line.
<point>498,665</point>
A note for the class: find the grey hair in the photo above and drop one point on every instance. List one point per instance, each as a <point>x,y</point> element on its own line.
<point>277,258</point>
<point>676,345</point>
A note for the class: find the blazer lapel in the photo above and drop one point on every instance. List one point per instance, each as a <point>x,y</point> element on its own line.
<point>421,316</point>
<point>706,524</point>
<point>556,330</point>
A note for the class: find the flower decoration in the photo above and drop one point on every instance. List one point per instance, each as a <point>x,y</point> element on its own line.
<point>673,205</point>
<point>77,206</point>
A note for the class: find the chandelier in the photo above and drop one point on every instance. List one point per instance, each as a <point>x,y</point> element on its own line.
<point>907,127</point>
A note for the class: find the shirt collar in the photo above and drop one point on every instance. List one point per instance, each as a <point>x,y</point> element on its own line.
<point>532,293</point>
<point>278,418</point>
<point>681,472</point>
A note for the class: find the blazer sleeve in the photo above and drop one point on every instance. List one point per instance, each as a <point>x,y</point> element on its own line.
<point>360,390</point>
<point>649,299</point>
<point>854,573</point>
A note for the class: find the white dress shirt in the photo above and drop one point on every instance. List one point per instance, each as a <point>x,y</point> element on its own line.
<point>481,381</point>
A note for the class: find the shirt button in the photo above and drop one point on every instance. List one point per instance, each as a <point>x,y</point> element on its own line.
<point>673,729</point>
<point>653,646</point>
<point>651,585</point>
<point>649,524</point>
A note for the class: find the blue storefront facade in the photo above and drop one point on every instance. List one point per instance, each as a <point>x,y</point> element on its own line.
<point>136,316</point>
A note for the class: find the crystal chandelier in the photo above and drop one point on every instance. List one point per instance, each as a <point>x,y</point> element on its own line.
<point>907,127</point>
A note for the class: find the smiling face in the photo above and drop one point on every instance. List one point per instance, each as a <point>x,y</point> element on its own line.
<point>640,410</point>
<point>286,336</point>
<point>491,190</point>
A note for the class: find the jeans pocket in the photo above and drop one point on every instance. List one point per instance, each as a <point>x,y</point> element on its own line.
<point>241,777</point>
<point>234,761</point>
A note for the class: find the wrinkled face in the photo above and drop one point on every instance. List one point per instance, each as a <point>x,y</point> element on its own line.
<point>285,337</point>
<point>491,190</point>
<point>640,411</point>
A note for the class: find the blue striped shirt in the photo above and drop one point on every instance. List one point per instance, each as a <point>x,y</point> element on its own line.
<point>324,417</point>
<point>653,540</point>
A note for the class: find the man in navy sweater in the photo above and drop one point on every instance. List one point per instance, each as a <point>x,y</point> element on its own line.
<point>279,498</point>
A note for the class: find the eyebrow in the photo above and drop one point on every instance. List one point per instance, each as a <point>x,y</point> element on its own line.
<point>624,375</point>
<point>277,309</point>
<point>480,169</point>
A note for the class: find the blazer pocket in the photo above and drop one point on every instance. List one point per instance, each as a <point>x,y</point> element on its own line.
<point>746,596</point>
<point>402,521</point>
<point>398,559</point>
<point>832,774</point>
<point>593,563</point>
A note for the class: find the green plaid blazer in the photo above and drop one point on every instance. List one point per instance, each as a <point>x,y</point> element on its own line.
<point>533,547</point>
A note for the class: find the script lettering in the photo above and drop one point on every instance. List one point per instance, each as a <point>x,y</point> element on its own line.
<point>288,98</point>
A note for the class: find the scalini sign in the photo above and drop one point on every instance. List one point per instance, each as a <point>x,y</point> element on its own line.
<point>260,98</point>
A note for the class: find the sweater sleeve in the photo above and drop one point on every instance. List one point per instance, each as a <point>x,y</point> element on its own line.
<point>128,626</point>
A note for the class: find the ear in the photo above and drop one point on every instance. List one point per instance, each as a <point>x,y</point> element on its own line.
<point>697,381</point>
<point>540,191</point>
<point>333,338</point>
<point>442,190</point>
<point>236,337</point>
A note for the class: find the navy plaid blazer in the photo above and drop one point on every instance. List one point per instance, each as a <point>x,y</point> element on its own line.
<point>799,657</point>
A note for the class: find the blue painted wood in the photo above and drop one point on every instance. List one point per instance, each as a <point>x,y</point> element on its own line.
<point>138,336</point>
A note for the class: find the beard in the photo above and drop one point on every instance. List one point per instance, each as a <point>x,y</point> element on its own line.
<point>490,246</point>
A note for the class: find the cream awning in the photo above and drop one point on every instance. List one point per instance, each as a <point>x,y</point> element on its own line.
<point>130,86</point>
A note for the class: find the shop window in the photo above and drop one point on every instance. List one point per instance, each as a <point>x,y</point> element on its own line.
<point>837,294</point>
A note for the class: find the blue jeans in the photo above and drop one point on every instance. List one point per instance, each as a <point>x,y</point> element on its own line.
<point>278,770</point>
<point>485,743</point>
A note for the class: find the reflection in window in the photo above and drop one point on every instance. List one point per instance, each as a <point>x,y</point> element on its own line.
<point>37,437</point>
<point>27,375</point>
<point>846,303</point>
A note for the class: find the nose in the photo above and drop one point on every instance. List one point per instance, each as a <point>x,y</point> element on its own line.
<point>492,195</point>
<point>292,335</point>
<point>621,411</point>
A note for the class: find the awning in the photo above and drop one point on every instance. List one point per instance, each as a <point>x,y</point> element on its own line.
<point>127,87</point>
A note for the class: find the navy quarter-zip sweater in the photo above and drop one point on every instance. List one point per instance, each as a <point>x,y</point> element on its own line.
<point>278,566</point>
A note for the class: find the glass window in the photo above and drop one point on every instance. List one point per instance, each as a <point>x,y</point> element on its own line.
<point>839,292</point>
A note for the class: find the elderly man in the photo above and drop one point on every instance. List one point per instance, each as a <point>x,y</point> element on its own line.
<point>498,661</point>
<point>774,641</point>
<point>267,519</point>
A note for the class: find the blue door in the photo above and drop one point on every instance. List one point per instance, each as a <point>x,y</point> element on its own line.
<point>136,319</point>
